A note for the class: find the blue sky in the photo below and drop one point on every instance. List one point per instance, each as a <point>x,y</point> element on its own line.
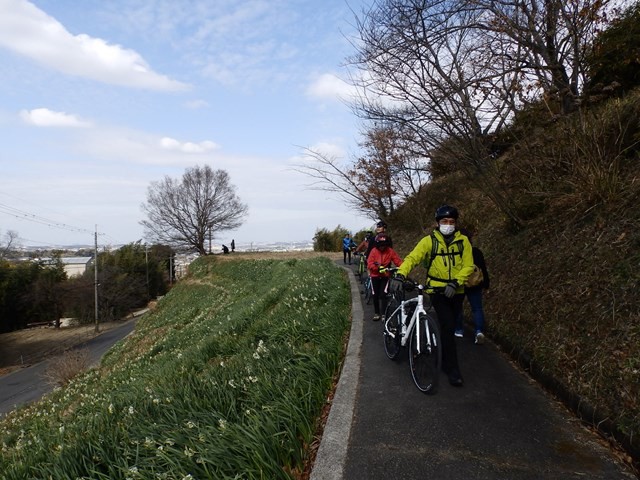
<point>99,99</point>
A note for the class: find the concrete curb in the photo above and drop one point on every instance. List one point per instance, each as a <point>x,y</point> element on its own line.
<point>332,453</point>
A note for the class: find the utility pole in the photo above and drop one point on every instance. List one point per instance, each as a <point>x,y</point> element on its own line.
<point>171,269</point>
<point>95,270</point>
<point>146,261</point>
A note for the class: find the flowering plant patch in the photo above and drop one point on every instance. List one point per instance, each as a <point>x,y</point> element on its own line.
<point>225,379</point>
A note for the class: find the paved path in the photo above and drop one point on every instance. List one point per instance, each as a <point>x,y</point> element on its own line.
<point>28,384</point>
<point>500,425</point>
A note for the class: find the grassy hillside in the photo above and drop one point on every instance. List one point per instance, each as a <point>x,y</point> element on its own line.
<point>225,379</point>
<point>564,296</point>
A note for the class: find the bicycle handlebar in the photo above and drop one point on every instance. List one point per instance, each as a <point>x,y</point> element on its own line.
<point>383,269</point>
<point>409,284</point>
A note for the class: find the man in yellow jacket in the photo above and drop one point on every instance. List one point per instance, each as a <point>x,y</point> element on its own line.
<point>449,258</point>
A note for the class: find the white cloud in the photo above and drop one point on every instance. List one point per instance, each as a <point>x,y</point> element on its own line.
<point>196,104</point>
<point>29,31</point>
<point>329,150</point>
<point>43,117</point>
<point>329,86</point>
<point>187,147</point>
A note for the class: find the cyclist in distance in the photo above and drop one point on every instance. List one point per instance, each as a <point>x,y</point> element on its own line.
<point>378,260</point>
<point>449,265</point>
<point>347,245</point>
<point>381,227</point>
<point>363,246</point>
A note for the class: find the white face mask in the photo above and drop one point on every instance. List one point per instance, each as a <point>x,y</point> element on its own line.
<point>447,229</point>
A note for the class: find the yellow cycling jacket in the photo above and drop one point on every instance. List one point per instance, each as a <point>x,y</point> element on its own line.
<point>451,262</point>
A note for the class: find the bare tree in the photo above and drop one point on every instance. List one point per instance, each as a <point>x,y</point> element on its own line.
<point>547,41</point>
<point>422,70</point>
<point>388,171</point>
<point>330,175</point>
<point>374,183</point>
<point>454,72</point>
<point>184,213</point>
<point>11,238</point>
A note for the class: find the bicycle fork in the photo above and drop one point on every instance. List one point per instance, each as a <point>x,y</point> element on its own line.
<point>420,348</point>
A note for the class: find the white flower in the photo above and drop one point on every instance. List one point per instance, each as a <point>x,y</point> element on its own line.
<point>222,423</point>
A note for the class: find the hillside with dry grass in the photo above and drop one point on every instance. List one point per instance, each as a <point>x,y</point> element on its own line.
<point>564,281</point>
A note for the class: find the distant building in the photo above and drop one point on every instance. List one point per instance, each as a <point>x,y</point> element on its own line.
<point>75,266</point>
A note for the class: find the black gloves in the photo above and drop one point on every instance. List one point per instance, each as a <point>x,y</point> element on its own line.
<point>450,289</point>
<point>397,282</point>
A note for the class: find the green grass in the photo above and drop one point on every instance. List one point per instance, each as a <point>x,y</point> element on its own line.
<point>224,380</point>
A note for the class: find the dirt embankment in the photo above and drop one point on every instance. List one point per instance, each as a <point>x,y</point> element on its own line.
<point>26,347</point>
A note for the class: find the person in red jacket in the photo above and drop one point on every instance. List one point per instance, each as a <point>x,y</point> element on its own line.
<point>380,258</point>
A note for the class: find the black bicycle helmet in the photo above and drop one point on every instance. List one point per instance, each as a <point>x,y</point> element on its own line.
<point>382,240</point>
<point>446,211</point>
<point>381,224</point>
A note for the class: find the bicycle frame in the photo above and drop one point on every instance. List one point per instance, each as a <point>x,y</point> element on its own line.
<point>408,330</point>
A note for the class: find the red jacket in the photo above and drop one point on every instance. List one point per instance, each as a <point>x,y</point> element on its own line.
<point>379,258</point>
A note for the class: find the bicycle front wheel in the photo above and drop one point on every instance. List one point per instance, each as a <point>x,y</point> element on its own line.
<point>367,291</point>
<point>392,329</point>
<point>425,354</point>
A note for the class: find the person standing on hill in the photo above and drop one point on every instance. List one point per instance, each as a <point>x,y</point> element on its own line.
<point>449,263</point>
<point>380,258</point>
<point>474,295</point>
<point>347,245</point>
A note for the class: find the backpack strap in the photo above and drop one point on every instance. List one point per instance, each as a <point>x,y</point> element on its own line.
<point>434,253</point>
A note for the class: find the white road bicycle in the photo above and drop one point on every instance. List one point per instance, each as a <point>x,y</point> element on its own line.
<point>408,322</point>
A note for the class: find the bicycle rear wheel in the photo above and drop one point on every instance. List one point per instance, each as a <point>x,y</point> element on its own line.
<point>393,326</point>
<point>425,364</point>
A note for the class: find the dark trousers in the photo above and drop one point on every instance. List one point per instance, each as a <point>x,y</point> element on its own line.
<point>379,297</point>
<point>345,254</point>
<point>448,310</point>
<point>474,295</point>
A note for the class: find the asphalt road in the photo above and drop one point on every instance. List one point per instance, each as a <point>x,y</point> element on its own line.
<point>28,384</point>
<point>500,425</point>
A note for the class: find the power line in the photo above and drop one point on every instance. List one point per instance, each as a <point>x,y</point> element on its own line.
<point>31,217</point>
